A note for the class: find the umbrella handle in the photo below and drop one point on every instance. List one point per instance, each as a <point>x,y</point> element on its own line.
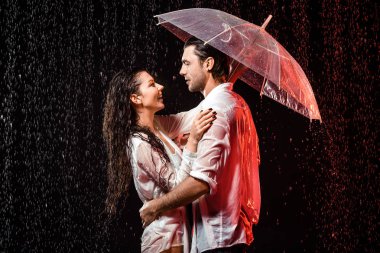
<point>236,70</point>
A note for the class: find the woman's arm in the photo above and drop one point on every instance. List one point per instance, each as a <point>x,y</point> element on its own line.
<point>175,124</point>
<point>163,172</point>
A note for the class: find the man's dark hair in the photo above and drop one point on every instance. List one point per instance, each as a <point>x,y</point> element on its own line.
<point>203,51</point>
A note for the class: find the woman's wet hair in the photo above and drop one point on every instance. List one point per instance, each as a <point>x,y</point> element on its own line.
<point>120,124</point>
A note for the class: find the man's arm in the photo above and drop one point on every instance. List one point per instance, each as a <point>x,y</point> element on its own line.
<point>186,192</point>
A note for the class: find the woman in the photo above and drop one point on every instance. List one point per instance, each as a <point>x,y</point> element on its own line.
<point>137,147</point>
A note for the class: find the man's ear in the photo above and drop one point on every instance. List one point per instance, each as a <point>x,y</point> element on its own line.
<point>209,63</point>
<point>135,99</point>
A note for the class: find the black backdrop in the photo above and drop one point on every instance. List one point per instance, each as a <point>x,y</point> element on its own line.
<point>319,181</point>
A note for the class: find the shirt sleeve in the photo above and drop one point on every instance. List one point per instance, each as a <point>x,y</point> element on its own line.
<point>175,124</point>
<point>213,151</point>
<point>163,173</point>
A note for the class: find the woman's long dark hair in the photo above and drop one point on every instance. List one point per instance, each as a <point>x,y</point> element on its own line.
<point>119,125</point>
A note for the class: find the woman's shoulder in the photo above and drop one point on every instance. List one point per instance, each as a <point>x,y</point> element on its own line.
<point>137,140</point>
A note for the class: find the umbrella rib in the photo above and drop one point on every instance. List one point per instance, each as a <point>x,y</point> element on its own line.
<point>272,51</point>
<point>275,53</point>
<point>165,21</point>
<point>230,28</point>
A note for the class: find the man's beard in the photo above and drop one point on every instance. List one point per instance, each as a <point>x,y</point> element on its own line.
<point>198,86</point>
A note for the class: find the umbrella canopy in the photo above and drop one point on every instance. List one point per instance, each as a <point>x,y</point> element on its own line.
<point>270,68</point>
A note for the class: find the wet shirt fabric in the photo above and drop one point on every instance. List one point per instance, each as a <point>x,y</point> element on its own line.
<point>228,161</point>
<point>153,178</point>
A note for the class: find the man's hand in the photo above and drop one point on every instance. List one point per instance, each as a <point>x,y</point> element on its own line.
<point>148,213</point>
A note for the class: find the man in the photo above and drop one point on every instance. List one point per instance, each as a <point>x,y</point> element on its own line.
<point>224,181</point>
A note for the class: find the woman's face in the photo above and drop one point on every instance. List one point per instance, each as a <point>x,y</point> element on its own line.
<point>150,93</point>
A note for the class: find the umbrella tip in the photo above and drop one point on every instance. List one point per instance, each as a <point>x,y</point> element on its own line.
<point>266,22</point>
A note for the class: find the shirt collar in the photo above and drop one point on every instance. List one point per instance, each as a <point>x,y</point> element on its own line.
<point>219,88</point>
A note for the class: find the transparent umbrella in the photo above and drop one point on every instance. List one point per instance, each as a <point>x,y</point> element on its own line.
<point>270,68</point>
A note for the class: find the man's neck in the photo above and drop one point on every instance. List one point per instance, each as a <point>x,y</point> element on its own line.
<point>210,85</point>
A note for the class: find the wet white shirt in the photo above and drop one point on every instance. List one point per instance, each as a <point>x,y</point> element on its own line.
<point>228,161</point>
<point>152,179</point>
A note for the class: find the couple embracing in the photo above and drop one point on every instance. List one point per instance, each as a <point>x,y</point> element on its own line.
<point>217,170</point>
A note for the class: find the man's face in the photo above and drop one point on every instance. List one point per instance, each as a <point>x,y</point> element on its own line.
<point>193,71</point>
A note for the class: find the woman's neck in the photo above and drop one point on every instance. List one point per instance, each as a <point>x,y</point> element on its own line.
<point>146,119</point>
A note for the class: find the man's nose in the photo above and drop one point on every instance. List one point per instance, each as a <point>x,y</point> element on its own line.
<point>159,86</point>
<point>182,71</point>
